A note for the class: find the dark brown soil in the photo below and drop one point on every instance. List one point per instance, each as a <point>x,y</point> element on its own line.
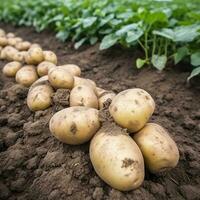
<point>34,165</point>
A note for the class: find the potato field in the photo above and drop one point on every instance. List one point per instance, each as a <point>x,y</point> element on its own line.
<point>100,100</point>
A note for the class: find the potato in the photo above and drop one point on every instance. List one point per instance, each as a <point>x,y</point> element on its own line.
<point>10,53</point>
<point>26,75</point>
<point>159,150</point>
<point>73,69</point>
<point>3,53</point>
<point>132,108</point>
<point>35,45</point>
<point>83,81</point>
<point>2,33</point>
<point>34,56</point>
<point>23,46</point>
<point>103,99</point>
<point>83,95</point>
<point>50,56</point>
<point>43,68</point>
<point>75,125</point>
<point>3,41</point>
<point>41,81</point>
<point>10,35</point>
<point>39,97</point>
<point>19,56</point>
<point>117,159</point>
<point>60,78</point>
<point>10,69</point>
<point>12,41</point>
<point>100,91</point>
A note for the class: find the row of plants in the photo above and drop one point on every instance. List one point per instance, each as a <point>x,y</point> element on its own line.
<point>166,30</point>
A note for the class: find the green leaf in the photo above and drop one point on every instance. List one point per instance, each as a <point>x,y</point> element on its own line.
<point>156,17</point>
<point>108,41</point>
<point>195,59</point>
<point>87,22</point>
<point>194,72</point>
<point>159,62</point>
<point>126,28</point>
<point>140,63</point>
<point>93,40</point>
<point>134,35</point>
<point>180,54</point>
<point>79,43</point>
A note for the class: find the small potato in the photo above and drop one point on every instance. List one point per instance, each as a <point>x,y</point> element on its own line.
<point>26,75</point>
<point>2,33</point>
<point>158,148</point>
<point>132,108</point>
<point>34,56</point>
<point>35,45</point>
<point>10,53</point>
<point>23,46</point>
<point>83,95</point>
<point>3,54</point>
<point>75,125</point>
<point>50,56</point>
<point>44,67</point>
<point>12,41</point>
<point>39,97</point>
<point>117,159</point>
<point>10,69</point>
<point>104,98</point>
<point>83,81</point>
<point>10,35</point>
<point>73,69</point>
<point>3,41</point>
<point>60,78</point>
<point>19,56</point>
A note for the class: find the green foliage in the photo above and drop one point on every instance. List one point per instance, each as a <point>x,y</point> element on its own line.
<point>163,29</point>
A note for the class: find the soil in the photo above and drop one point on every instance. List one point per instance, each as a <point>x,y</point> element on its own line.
<point>35,165</point>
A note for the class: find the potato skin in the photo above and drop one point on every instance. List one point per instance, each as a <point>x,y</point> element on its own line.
<point>26,75</point>
<point>83,95</point>
<point>117,159</point>
<point>84,81</point>
<point>158,148</point>
<point>2,33</point>
<point>73,69</point>
<point>3,41</point>
<point>50,56</point>
<point>132,108</point>
<point>43,68</point>
<point>10,35</point>
<point>60,78</point>
<point>34,56</point>
<point>39,97</point>
<point>9,53</point>
<point>75,125</point>
<point>103,99</point>
<point>23,46</point>
<point>11,68</point>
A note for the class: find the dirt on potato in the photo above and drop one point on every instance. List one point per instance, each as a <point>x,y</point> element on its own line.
<point>34,165</point>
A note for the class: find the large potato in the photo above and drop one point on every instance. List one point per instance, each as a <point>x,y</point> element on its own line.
<point>50,56</point>
<point>10,69</point>
<point>39,97</point>
<point>10,35</point>
<point>75,125</point>
<point>73,69</point>
<point>23,46</point>
<point>83,95</point>
<point>26,76</point>
<point>44,67</point>
<point>159,150</point>
<point>117,159</point>
<point>34,56</point>
<point>60,78</point>
<point>3,41</point>
<point>132,108</point>
<point>2,33</point>
<point>105,97</point>
<point>83,81</point>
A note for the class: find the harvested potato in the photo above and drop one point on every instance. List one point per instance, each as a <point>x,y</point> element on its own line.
<point>23,46</point>
<point>75,125</point>
<point>43,68</point>
<point>73,69</point>
<point>104,98</point>
<point>132,108</point>
<point>60,78</point>
<point>41,81</point>
<point>35,45</point>
<point>34,56</point>
<point>26,76</point>
<point>83,81</point>
<point>158,148</point>
<point>10,35</point>
<point>117,159</point>
<point>3,41</point>
<point>3,53</point>
<point>39,97</point>
<point>83,95</point>
<point>10,53</point>
<point>19,56</point>
<point>50,56</point>
<point>2,33</point>
<point>10,69</point>
<point>100,91</point>
<point>12,41</point>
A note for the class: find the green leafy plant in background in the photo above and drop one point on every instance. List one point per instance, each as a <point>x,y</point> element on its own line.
<point>166,30</point>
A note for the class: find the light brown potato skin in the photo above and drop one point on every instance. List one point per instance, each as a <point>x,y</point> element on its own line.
<point>44,67</point>
<point>34,56</point>
<point>19,56</point>
<point>73,69</point>
<point>100,91</point>
<point>12,41</point>
<point>60,78</point>
<point>75,125</point>
<point>10,69</point>
<point>3,41</point>
<point>41,81</point>
<point>84,81</point>
<point>39,97</point>
<point>132,108</point>
<point>50,56</point>
<point>83,95</point>
<point>2,33</point>
<point>10,35</point>
<point>10,53</point>
<point>158,148</point>
<point>26,75</point>
<point>23,46</point>
<point>117,159</point>
<point>104,98</point>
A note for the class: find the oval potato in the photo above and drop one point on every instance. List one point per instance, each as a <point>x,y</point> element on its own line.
<point>83,81</point>
<point>75,125</point>
<point>73,69</point>
<point>2,33</point>
<point>50,56</point>
<point>158,148</point>
<point>10,69</point>
<point>44,67</point>
<point>34,56</point>
<point>132,108</point>
<point>10,35</point>
<point>3,41</point>
<point>117,159</point>
<point>23,46</point>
